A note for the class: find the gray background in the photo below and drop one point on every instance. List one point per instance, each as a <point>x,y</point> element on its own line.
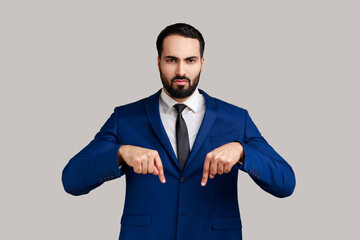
<point>65,65</point>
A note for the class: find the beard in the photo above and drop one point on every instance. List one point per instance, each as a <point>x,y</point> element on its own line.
<point>179,91</point>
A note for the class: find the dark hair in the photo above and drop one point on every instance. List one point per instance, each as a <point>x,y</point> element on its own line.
<point>181,29</point>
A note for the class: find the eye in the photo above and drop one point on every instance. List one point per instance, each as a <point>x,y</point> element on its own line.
<point>170,60</point>
<point>191,60</point>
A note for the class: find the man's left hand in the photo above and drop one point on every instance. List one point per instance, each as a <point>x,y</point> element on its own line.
<point>221,160</point>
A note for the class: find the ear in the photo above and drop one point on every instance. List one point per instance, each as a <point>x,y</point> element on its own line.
<point>202,63</point>
<point>158,59</point>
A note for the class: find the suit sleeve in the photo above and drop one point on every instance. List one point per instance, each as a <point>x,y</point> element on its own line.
<point>96,163</point>
<point>264,165</point>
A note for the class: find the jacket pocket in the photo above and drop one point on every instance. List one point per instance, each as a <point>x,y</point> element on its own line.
<point>226,222</point>
<point>136,220</point>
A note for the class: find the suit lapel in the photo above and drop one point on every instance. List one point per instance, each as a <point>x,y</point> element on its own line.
<point>153,113</point>
<point>206,124</point>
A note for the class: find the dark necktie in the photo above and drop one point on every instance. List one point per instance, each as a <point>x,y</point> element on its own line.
<point>182,137</point>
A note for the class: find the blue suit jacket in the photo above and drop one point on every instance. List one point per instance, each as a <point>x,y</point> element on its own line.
<point>181,208</point>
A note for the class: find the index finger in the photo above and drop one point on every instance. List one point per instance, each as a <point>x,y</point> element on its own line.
<point>206,170</point>
<point>159,166</point>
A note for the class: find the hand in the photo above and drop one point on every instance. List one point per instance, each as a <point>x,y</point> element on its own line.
<point>221,160</point>
<point>142,160</point>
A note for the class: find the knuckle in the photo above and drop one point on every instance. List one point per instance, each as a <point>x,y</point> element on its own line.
<point>224,160</point>
<point>221,159</point>
<point>227,165</point>
<point>217,158</point>
<point>137,160</point>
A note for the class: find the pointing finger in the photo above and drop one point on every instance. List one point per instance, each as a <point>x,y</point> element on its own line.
<point>205,171</point>
<point>160,168</point>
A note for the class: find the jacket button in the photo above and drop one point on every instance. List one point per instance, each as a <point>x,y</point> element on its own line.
<point>182,180</point>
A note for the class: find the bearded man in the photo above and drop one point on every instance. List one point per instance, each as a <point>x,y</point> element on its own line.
<point>181,151</point>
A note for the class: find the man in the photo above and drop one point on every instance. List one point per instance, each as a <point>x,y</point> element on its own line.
<point>180,151</point>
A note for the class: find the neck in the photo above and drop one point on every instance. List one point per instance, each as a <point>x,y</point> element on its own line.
<point>179,100</point>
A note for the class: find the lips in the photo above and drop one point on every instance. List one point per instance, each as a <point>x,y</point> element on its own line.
<point>180,81</point>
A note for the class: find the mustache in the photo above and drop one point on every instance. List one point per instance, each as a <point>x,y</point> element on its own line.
<point>180,78</point>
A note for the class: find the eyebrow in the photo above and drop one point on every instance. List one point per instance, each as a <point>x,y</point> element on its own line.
<point>175,58</point>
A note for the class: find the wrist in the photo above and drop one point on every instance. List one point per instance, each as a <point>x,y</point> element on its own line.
<point>120,152</point>
<point>242,155</point>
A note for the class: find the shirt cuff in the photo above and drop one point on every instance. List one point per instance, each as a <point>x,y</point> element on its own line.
<point>240,165</point>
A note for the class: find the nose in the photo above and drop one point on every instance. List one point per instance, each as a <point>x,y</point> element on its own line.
<point>180,70</point>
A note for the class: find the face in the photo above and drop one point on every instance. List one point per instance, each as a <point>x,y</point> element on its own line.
<point>180,66</point>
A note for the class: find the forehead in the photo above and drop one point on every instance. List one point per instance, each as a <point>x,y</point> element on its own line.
<point>179,46</point>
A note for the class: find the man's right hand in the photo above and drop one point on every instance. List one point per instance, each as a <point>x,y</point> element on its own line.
<point>143,160</point>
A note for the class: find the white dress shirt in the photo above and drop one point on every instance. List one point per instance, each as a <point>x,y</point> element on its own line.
<point>193,115</point>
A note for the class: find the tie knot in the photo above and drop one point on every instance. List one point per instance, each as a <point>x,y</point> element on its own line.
<point>179,107</point>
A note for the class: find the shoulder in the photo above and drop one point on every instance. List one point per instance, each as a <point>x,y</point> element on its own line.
<point>138,105</point>
<point>223,106</point>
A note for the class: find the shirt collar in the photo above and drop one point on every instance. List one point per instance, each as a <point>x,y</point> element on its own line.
<point>193,102</point>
